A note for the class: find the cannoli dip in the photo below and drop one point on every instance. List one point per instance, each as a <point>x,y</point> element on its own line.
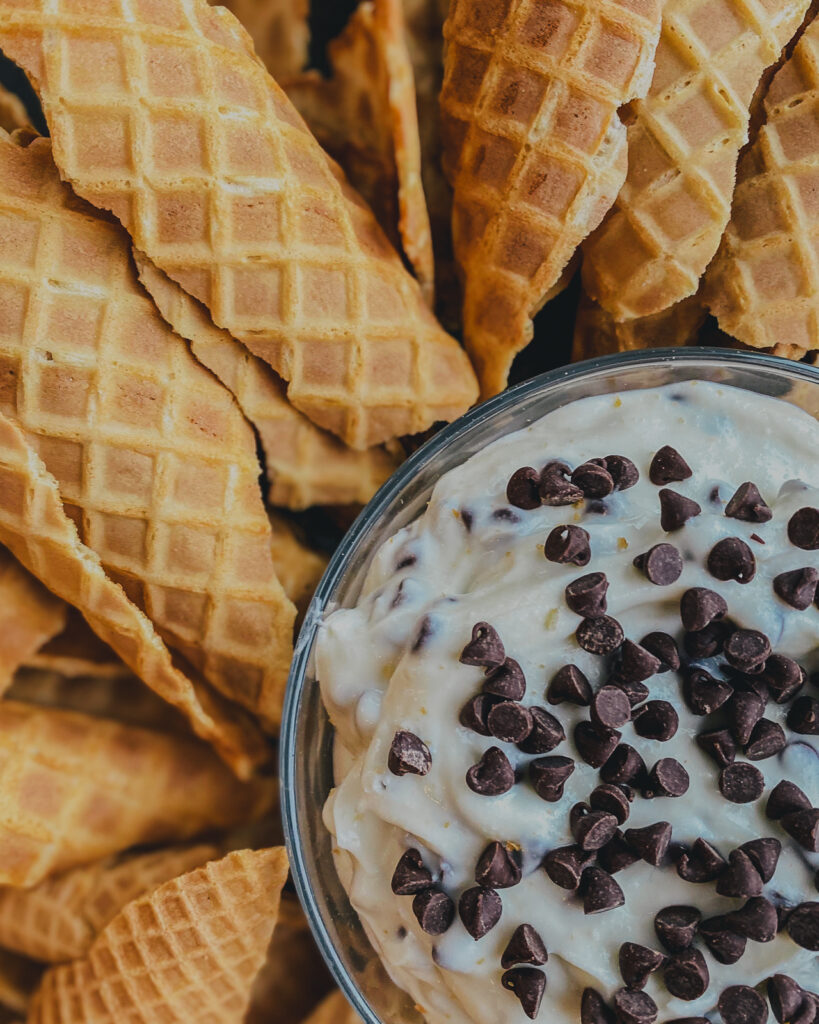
<point>577,726</point>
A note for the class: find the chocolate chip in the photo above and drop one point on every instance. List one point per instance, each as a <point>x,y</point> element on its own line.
<point>785,996</point>
<point>637,663</point>
<point>668,467</point>
<point>499,866</point>
<point>523,489</point>
<point>703,693</point>
<point>546,734</point>
<point>749,505</point>
<point>568,545</point>
<point>600,891</point>
<point>667,778</point>
<point>525,947</point>
<point>783,676</point>
<point>764,854</point>
<point>548,775</point>
<point>634,1007</point>
<point>509,722</point>
<point>555,487</point>
<point>492,775</point>
<point>676,926</point>
<point>586,595</point>
<point>434,911</point>
<point>601,635</point>
<point>803,529</point>
<point>740,1004</point>
<point>803,716</point>
<point>718,744</point>
<point>610,708</point>
<point>744,711</point>
<point>702,863</point>
<point>741,877</point>
<point>747,649</point>
<point>485,649</point>
<point>767,739</point>
<point>480,910</point>
<point>686,975</point>
<point>797,587</point>
<point>474,713</point>
<point>741,783</point>
<point>528,984</point>
<point>651,842</point>
<point>616,855</point>
<point>689,1020</point>
<point>594,480</point>
<point>676,510</point>
<point>656,720</point>
<point>507,681</point>
<point>595,746</point>
<point>707,642</point>
<point>786,798</point>
<point>623,471</point>
<point>624,766</point>
<point>803,826</point>
<point>661,565</point>
<point>569,684</point>
<point>408,755</point>
<point>594,830</point>
<point>637,963</point>
<point>613,799</point>
<point>636,692</point>
<point>803,926</point>
<point>664,648</point>
<point>594,1009</point>
<point>410,875</point>
<point>731,559</point>
<point>756,920</point>
<point>725,945</point>
<point>699,607</point>
<point>565,865</point>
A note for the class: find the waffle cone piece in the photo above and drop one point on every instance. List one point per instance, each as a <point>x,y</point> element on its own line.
<point>763,286</point>
<point>77,652</point>
<point>305,465</point>
<point>19,979</point>
<point>597,333</point>
<point>188,951</point>
<point>13,114</point>
<point>665,227</point>
<point>226,191</point>
<point>534,149</point>
<point>298,566</point>
<point>280,32</point>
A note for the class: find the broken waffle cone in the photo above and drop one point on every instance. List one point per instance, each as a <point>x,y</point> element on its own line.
<point>597,333</point>
<point>762,285</point>
<point>19,978</point>
<point>13,114</point>
<point>77,652</point>
<point>155,463</point>
<point>292,263</point>
<point>188,951</point>
<point>279,29</point>
<point>334,1010</point>
<point>684,140</point>
<point>534,149</point>
<point>305,465</point>
<point>298,566</point>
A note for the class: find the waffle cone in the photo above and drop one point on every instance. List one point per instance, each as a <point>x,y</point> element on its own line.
<point>298,566</point>
<point>19,978</point>
<point>654,246</point>
<point>305,465</point>
<point>13,114</point>
<point>762,286</point>
<point>291,263</point>
<point>280,32</point>
<point>334,1010</point>
<point>597,333</point>
<point>77,652</point>
<point>534,149</point>
<point>189,951</point>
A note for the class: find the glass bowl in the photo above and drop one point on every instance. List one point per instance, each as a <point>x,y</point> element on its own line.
<point>307,735</point>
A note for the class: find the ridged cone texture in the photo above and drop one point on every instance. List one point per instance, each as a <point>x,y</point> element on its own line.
<point>597,333</point>
<point>279,29</point>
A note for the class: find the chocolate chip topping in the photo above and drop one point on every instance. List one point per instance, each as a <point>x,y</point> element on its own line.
<point>741,877</point>
<point>594,830</point>
<point>803,529</point>
<point>509,722</point>
<point>740,1004</point>
<point>783,677</point>
<point>410,875</point>
<point>731,559</point>
<point>785,996</point>
<point>702,863</point>
<point>525,947</point>
<point>803,826</point>
<point>661,565</point>
<point>408,755</point>
<point>686,975</point>
<point>507,681</point>
<point>748,504</point>
<point>622,470</point>
<point>555,487</point>
<point>756,920</point>
<point>569,684</point>
<point>528,984</point>
<point>594,480</point>
<point>803,716</point>
<point>703,694</point>
<point>474,713</point>
<point>523,489</point>
<point>625,765</point>
<point>767,739</point>
<point>485,649</point>
<point>656,720</point>
<point>616,855</point>
<point>676,510</point>
<point>667,778</point>
<point>699,607</point>
<point>499,866</point>
<point>547,733</point>
<point>548,775</point>
<point>676,926</point>
<point>492,775</point>
<point>586,595</point>
<point>803,926</point>
<point>725,945</point>
<point>632,1007</point>
<point>668,467</point>
<point>610,708</point>
<point>664,648</point>
<point>747,649</point>
<point>637,663</point>
<point>797,587</point>
<point>637,963</point>
<point>566,864</point>
<point>601,635</point>
<point>568,545</point>
<point>480,910</point>
<point>434,911</point>
<point>594,1009</point>
<point>651,842</point>
<point>595,746</point>
<point>611,798</point>
<point>600,891</point>
<point>785,798</point>
<point>636,692</point>
<point>707,642</point>
<point>744,711</point>
<point>741,783</point>
<point>764,854</point>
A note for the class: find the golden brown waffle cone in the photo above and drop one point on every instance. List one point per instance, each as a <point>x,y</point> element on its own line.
<point>58,919</point>
<point>77,652</point>
<point>19,978</point>
<point>534,149</point>
<point>298,566</point>
<point>305,464</point>
<point>240,206</point>
<point>187,952</point>
<point>597,333</point>
<point>29,616</point>
<point>654,246</point>
<point>763,286</point>
<point>334,1010</point>
<point>13,114</point>
<point>155,463</point>
<point>75,788</point>
<point>280,31</point>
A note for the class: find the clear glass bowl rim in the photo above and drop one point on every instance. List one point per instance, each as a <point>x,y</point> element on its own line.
<point>388,493</point>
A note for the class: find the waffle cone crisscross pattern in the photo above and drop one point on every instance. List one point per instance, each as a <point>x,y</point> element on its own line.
<point>188,951</point>
<point>763,287</point>
<point>597,333</point>
<point>279,29</point>
<point>155,463</point>
<point>534,148</point>
<point>665,227</point>
<point>160,112</point>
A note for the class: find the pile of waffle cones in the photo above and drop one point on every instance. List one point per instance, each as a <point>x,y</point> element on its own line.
<point>230,291</point>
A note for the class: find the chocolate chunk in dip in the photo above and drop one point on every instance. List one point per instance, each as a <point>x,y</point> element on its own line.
<point>568,545</point>
<point>676,510</point>
<point>493,775</point>
<point>731,559</point>
<point>480,910</point>
<point>803,529</point>
<point>748,505</point>
<point>661,565</point>
<point>569,684</point>
<point>409,755</point>
<point>525,947</point>
<point>485,649</point>
<point>528,984</point>
<point>668,467</point>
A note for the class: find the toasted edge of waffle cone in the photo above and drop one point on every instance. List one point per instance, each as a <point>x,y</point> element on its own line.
<point>13,114</point>
<point>76,651</point>
<point>280,31</point>
<point>597,333</point>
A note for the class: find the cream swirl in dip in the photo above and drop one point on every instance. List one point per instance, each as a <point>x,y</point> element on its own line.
<point>479,790</point>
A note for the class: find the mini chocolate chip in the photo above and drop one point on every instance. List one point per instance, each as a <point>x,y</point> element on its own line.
<point>546,734</point>
<point>703,693</point>
<point>667,778</point>
<point>623,471</point>
<point>555,487</point>
<point>525,947</point>
<point>699,607</point>
<point>702,863</point>
<point>718,744</point>
<point>594,1009</point>
<point>593,480</point>
<point>612,798</point>
<point>594,830</point>
<point>731,559</point>
<point>803,716</point>
<point>676,926</point>
<point>636,692</point>
<point>756,920</point>
<point>595,746</point>
<point>785,798</point>
<point>474,713</point>
<point>548,775</point>
<point>624,766</point>
<point>499,866</point>
<point>741,783</point>
<point>661,565</point>
<point>523,489</point>
<point>602,635</point>
<point>797,587</point>
<point>767,739</point>
<point>408,755</point>
<point>803,826</point>
<point>747,649</point>
<point>528,984</point>
<point>568,545</point>
<point>749,505</point>
<point>707,642</point>
<point>740,1004</point>
<point>744,711</point>
<point>610,708</point>
<point>803,926</point>
<point>783,676</point>
<point>637,663</point>
<point>637,963</point>
<point>725,945</point>
<point>600,891</point>
<point>634,1007</point>
<point>410,875</point>
<point>480,910</point>
<point>586,595</point>
<point>656,720</point>
<point>509,722</point>
<point>686,975</point>
<point>803,529</point>
<point>492,775</point>
<point>566,864</point>
<point>569,684</point>
<point>764,854</point>
<point>668,467</point>
<point>485,649</point>
<point>785,996</point>
<point>507,681</point>
<point>434,911</point>
<point>651,842</point>
<point>676,510</point>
